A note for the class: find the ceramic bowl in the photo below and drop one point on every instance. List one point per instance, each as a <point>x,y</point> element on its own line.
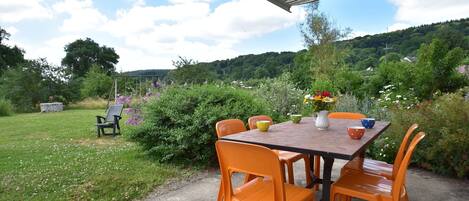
<point>296,118</point>
<point>356,132</point>
<point>368,122</point>
<point>263,126</point>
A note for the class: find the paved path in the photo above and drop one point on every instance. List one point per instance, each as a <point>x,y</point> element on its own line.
<point>422,186</point>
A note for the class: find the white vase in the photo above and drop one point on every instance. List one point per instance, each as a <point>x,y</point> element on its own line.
<point>322,121</point>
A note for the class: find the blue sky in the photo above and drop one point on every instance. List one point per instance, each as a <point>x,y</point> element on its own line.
<point>150,34</point>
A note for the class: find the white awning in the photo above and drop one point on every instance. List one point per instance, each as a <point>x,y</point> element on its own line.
<point>287,4</point>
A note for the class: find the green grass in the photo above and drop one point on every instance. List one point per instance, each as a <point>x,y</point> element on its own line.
<point>57,156</point>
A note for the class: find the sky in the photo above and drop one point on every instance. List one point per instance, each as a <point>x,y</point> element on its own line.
<point>150,34</point>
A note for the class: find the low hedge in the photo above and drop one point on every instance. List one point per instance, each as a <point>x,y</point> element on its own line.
<point>445,149</point>
<point>179,127</point>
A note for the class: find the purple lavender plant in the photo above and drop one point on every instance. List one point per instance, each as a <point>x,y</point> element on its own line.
<point>125,100</point>
<point>135,112</point>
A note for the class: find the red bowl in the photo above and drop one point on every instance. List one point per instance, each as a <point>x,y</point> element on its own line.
<point>356,132</point>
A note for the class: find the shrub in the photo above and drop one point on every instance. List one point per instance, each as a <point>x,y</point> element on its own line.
<point>282,95</point>
<point>6,108</point>
<point>445,148</point>
<point>179,126</point>
<point>89,103</point>
<point>368,106</point>
<point>96,83</point>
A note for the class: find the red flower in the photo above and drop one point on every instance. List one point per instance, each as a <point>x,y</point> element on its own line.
<point>326,94</point>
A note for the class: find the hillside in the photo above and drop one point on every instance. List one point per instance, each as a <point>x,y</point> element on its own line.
<point>364,52</point>
<point>157,73</point>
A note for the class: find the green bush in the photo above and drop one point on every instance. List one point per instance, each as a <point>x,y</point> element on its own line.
<point>179,127</point>
<point>282,95</point>
<point>445,148</point>
<point>96,83</point>
<point>6,108</point>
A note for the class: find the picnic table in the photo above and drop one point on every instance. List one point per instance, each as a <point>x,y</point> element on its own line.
<point>307,139</point>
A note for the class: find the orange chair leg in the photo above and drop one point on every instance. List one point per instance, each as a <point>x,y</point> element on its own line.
<point>307,171</point>
<point>317,169</point>
<point>282,166</point>
<point>220,191</point>
<point>291,177</point>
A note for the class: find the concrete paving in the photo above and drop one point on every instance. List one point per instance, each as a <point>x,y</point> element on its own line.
<point>421,185</point>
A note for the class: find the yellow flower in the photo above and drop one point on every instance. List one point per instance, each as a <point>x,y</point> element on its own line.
<point>328,100</point>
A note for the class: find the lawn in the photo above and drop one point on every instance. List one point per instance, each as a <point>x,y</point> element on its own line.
<point>57,156</point>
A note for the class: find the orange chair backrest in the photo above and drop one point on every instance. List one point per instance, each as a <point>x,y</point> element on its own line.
<point>229,126</point>
<point>253,120</point>
<point>251,159</point>
<point>346,115</point>
<point>402,148</point>
<point>399,182</point>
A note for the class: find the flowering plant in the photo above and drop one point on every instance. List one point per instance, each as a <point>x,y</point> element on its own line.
<point>321,100</point>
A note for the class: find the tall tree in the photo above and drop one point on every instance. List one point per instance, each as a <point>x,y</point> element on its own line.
<point>82,54</point>
<point>319,34</point>
<point>436,68</point>
<point>9,56</point>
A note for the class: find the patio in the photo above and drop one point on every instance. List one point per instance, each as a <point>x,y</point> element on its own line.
<point>422,186</point>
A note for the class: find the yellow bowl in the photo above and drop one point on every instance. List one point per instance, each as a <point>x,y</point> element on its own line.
<point>263,126</point>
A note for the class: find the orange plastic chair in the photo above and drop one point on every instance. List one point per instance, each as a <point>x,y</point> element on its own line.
<point>373,187</point>
<point>228,127</point>
<point>346,115</point>
<point>286,157</point>
<point>369,166</point>
<point>256,160</point>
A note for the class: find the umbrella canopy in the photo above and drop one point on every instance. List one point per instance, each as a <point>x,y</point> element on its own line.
<point>287,4</point>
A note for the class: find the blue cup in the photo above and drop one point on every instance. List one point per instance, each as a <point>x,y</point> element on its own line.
<point>368,122</point>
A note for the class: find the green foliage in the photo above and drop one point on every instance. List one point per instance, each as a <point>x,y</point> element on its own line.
<point>180,125</point>
<point>96,84</point>
<point>348,81</point>
<point>6,108</point>
<point>323,85</point>
<point>436,69</point>
<point>82,54</point>
<point>9,56</point>
<point>282,95</point>
<point>320,35</point>
<point>192,74</point>
<point>367,50</point>
<point>444,120</point>
<point>301,74</point>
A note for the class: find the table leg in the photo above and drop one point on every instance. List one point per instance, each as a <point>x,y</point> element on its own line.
<point>326,180</point>
<point>314,180</point>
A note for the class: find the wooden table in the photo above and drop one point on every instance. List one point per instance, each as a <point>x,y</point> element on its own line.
<point>307,139</point>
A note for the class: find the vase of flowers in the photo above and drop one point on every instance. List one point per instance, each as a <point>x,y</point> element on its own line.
<point>321,102</point>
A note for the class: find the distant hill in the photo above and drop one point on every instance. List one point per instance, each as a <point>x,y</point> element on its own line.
<point>365,51</point>
<point>159,73</point>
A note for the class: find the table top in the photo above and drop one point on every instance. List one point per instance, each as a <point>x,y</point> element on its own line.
<point>306,138</point>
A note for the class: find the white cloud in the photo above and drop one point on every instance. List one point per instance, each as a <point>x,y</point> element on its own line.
<point>12,11</point>
<point>148,36</point>
<point>11,30</point>
<point>416,12</point>
<point>189,28</point>
<point>82,15</point>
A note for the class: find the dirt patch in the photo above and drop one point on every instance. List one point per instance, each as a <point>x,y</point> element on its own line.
<point>100,142</point>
